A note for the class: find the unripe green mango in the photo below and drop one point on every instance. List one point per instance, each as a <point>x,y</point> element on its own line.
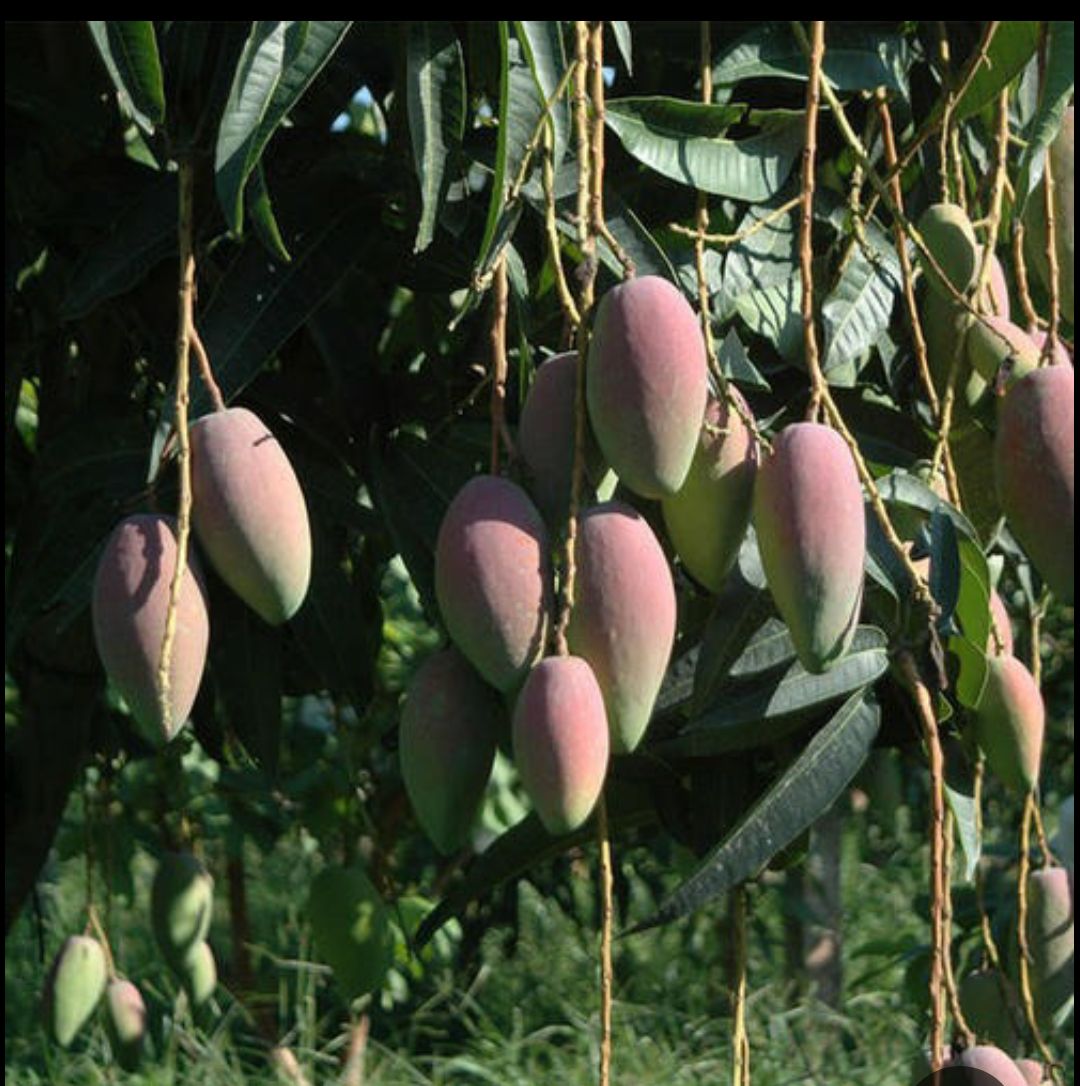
<point>811,530</point>
<point>950,238</point>
<point>449,729</point>
<point>647,383</point>
<point>74,987</point>
<point>708,517</point>
<point>249,514</point>
<point>181,905</point>
<point>561,741</point>
<point>351,928</point>
<point>986,1010</point>
<point>125,1021</point>
<point>993,342</point>
<point>129,608</point>
<point>198,973</point>
<point>1033,467</point>
<point>1009,723</point>
<point>1050,940</point>
<point>624,614</point>
<point>493,579</point>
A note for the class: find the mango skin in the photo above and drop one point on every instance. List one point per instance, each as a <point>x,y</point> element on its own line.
<point>74,987</point>
<point>1032,1071</point>
<point>351,928</point>
<point>1033,466</point>
<point>811,530</point>
<point>1050,940</point>
<point>994,340</point>
<point>198,973</point>
<point>249,514</point>
<point>493,579</point>
<point>449,729</point>
<point>646,384</point>
<point>992,1061</point>
<point>181,905</point>
<point>624,615</point>
<point>125,1021</point>
<point>561,742</point>
<point>950,238</point>
<point>129,606</point>
<point>1009,723</point>
<point>707,519</point>
<point>546,436</point>
<point>1062,166</point>
<point>985,1009</point>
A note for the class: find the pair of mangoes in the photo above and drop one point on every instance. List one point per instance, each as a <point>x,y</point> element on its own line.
<point>181,906</point>
<point>250,518</point>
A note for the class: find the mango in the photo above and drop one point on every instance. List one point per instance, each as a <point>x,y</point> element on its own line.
<point>198,973</point>
<point>986,1009</point>
<point>1033,466</point>
<point>249,514</point>
<point>811,530</point>
<point>623,619</point>
<point>449,729</point>
<point>1009,723</point>
<point>125,1022</point>
<point>991,1061</point>
<point>993,342</point>
<point>545,437</point>
<point>493,579</point>
<point>181,905</point>
<point>129,606</point>
<point>561,741</point>
<point>1032,1071</point>
<point>74,987</point>
<point>707,519</point>
<point>351,928</point>
<point>646,384</point>
<point>950,239</point>
<point>1050,940</point>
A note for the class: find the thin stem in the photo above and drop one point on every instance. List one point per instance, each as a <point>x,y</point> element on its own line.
<point>1049,347</point>
<point>740,1039</point>
<point>205,370</point>
<point>551,231</point>
<point>960,1021</point>
<point>499,432</point>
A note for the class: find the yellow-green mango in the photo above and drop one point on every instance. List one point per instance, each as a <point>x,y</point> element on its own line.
<point>1009,723</point>
<point>181,905</point>
<point>1050,940</point>
<point>198,973</point>
<point>74,987</point>
<point>950,239</point>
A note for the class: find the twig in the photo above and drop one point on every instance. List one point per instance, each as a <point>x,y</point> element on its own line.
<point>703,218</point>
<point>499,431</point>
<point>1023,291</point>
<point>551,230</point>
<point>205,370</point>
<point>353,1072</point>
<point>740,1039</point>
<point>960,1022</point>
<point>944,59</point>
<point>726,240</point>
<point>1050,346</point>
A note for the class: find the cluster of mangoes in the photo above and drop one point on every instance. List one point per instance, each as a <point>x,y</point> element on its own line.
<point>249,516</point>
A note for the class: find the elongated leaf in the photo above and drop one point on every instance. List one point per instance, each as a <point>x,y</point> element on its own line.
<point>906,489</point>
<point>130,53</point>
<point>801,794</point>
<point>749,714</point>
<point>435,72</point>
<point>858,310</point>
<point>527,845</point>
<point>944,566</point>
<point>1013,45</point>
<point>960,796</point>
<point>971,678</point>
<point>624,42</point>
<point>262,216</point>
<point>773,312</point>
<point>542,45</point>
<point>685,142</point>
<point>763,259</point>
<point>734,362</point>
<point>855,58</point>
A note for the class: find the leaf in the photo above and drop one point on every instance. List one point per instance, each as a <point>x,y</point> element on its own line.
<point>542,44</point>
<point>944,567</point>
<point>973,597</point>
<point>435,73</point>
<point>130,53</point>
<point>623,42</point>
<point>801,794</point>
<point>906,489</point>
<point>764,708</point>
<point>1013,45</point>
<point>684,141</point>
<point>735,364</point>
<point>960,796</point>
<point>855,59</point>
<point>858,310</point>
<point>262,216</point>
<point>773,312</point>
<point>763,259</point>
<point>971,678</point>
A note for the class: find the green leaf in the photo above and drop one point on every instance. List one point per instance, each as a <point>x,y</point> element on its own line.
<point>800,795</point>
<point>944,566</point>
<point>130,53</point>
<point>1013,45</point>
<point>903,488</point>
<point>960,796</point>
<point>734,362</point>
<point>542,45</point>
<point>971,678</point>
<point>774,313</point>
<point>684,141</point>
<point>973,598</point>
<point>855,59</point>
<point>763,259</point>
<point>768,706</point>
<point>262,216</point>
<point>435,73</point>
<point>624,42</point>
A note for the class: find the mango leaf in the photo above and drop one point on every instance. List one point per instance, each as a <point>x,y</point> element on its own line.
<point>971,677</point>
<point>973,597</point>
<point>766,707</point>
<point>960,796</point>
<point>800,795</point>
<point>685,142</point>
<point>773,312</point>
<point>542,45</point>
<point>1013,45</point>
<point>944,567</point>
<point>906,489</point>
<point>734,362</point>
<point>526,845</point>
<point>855,59</point>
<point>435,74</point>
<point>624,42</point>
<point>262,216</point>
<point>763,259</point>
<point>130,53</point>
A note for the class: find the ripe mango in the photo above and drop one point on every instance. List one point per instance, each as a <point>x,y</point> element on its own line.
<point>74,986</point>
<point>991,1061</point>
<point>623,619</point>
<point>811,530</point>
<point>351,928</point>
<point>646,384</point>
<point>950,238</point>
<point>181,905</point>
<point>993,342</point>
<point>1032,1071</point>
<point>1050,940</point>
<point>198,973</point>
<point>249,514</point>
<point>129,607</point>
<point>561,741</point>
<point>449,729</point>
<point>493,579</point>
<point>125,1022</point>
<point>1033,465</point>
<point>1009,723</point>
<point>708,517</point>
